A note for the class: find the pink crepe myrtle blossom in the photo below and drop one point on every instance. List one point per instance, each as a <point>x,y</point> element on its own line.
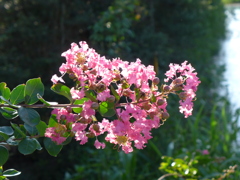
<point>55,135</point>
<point>144,105</point>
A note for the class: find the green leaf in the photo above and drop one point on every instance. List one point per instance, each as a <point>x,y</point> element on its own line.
<point>27,146</point>
<point>79,102</point>
<point>4,91</point>
<point>18,132</point>
<point>17,94</point>
<point>137,93</point>
<point>3,137</point>
<point>32,88</point>
<point>6,129</point>
<point>53,121</point>
<point>9,113</point>
<point>106,109</point>
<point>62,90</point>
<point>114,92</point>
<point>32,130</point>
<point>41,128</point>
<point>52,148</point>
<point>39,147</point>
<point>91,95</point>
<point>3,155</point>
<point>11,173</point>
<point>29,116</point>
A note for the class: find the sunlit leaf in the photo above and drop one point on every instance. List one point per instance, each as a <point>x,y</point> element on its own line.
<point>17,94</point>
<point>32,88</point>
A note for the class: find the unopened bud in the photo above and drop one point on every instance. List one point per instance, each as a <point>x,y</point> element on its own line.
<point>90,134</point>
<point>63,117</point>
<point>146,106</point>
<point>177,87</point>
<point>165,115</point>
<point>166,88</point>
<point>69,109</point>
<point>111,98</point>
<point>96,127</point>
<point>182,95</point>
<point>101,87</point>
<point>76,117</point>
<point>94,105</point>
<point>160,102</point>
<point>177,81</point>
<point>156,80</point>
<point>84,121</point>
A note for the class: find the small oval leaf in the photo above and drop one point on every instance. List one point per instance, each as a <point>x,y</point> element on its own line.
<point>27,146</point>
<point>11,173</point>
<point>62,90</point>
<point>17,94</point>
<point>52,148</point>
<point>3,155</point>
<point>32,88</point>
<point>7,130</point>
<point>29,116</point>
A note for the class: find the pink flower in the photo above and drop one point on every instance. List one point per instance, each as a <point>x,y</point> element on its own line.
<point>56,137</point>
<point>205,152</point>
<point>99,145</point>
<point>102,96</point>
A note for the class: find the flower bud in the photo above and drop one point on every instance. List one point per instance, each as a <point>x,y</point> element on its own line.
<point>63,117</point>
<point>160,102</point>
<point>178,81</point>
<point>96,127</point>
<point>156,80</point>
<point>90,134</point>
<point>94,105</point>
<point>146,106</point>
<point>111,99</point>
<point>101,87</point>
<point>182,95</point>
<point>166,88</point>
<point>165,115</point>
<point>84,121</point>
<point>177,87</point>
<point>76,117</point>
<point>152,114</point>
<point>69,109</point>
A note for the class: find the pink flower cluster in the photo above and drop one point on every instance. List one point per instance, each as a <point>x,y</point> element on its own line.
<point>130,89</point>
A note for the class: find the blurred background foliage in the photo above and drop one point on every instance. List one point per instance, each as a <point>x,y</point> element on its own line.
<point>33,34</point>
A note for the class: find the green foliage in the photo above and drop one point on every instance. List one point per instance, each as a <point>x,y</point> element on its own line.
<point>33,34</point>
<point>3,154</point>
<point>51,147</point>
<point>32,88</point>
<point>62,90</point>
